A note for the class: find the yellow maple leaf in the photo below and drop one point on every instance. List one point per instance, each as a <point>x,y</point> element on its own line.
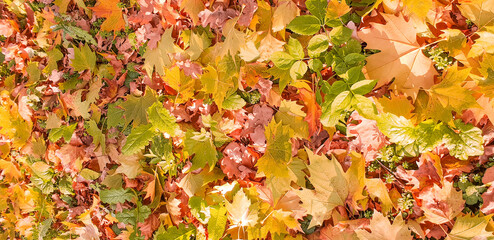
<point>234,39</point>
<point>158,59</point>
<point>397,104</point>
<point>336,9</point>
<point>193,8</point>
<point>278,151</point>
<point>284,13</point>
<point>481,12</point>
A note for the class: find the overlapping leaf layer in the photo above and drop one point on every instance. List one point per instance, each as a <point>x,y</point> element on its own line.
<point>246,119</point>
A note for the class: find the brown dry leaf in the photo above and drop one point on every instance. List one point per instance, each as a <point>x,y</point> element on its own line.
<point>401,56</point>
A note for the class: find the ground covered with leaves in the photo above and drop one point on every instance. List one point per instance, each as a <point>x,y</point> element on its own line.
<point>247,119</point>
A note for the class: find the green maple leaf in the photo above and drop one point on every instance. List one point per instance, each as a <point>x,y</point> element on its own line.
<point>158,59</point>
<point>53,57</point>
<point>200,144</point>
<point>97,134</point>
<point>278,153</point>
<point>175,233</point>
<point>84,58</point>
<point>135,107</point>
<point>62,131</point>
<point>134,216</point>
<point>162,120</point>
<point>113,196</point>
<point>114,114</point>
<point>283,76</point>
<point>138,138</point>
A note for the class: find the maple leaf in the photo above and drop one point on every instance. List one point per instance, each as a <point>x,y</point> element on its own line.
<point>488,198</point>
<point>10,171</point>
<point>135,107</point>
<point>330,188</point>
<point>218,86</point>
<point>377,188</point>
<point>419,8</point>
<point>268,46</point>
<point>201,145</point>
<point>279,186</point>
<point>356,178</point>
<point>336,9</point>
<point>368,137</point>
<point>284,13</point>
<point>113,196</point>
<point>241,212</point>
<point>192,183</point>
<point>382,229</point>
<point>448,95</point>
<point>234,39</point>
<point>138,138</point>
<point>291,114</point>
<point>470,227</point>
<point>109,9</point>
<point>278,150</point>
<point>158,58</point>
<point>487,69</point>
<point>97,134</point>
<point>84,58</point>
<point>193,8</point>
<point>182,232</point>
<point>401,56</point>
<point>483,44</point>
<point>197,44</point>
<point>13,126</point>
<point>397,104</point>
<point>454,40</point>
<point>481,12</point>
<point>53,57</point>
<point>129,165</point>
<point>441,205</point>
<point>161,119</point>
<point>184,85</point>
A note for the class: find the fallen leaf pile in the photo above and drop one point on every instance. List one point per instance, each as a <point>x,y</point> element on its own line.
<point>247,119</point>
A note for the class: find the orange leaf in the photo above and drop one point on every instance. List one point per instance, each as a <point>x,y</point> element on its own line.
<point>401,56</point>
<point>313,110</point>
<point>113,14</point>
